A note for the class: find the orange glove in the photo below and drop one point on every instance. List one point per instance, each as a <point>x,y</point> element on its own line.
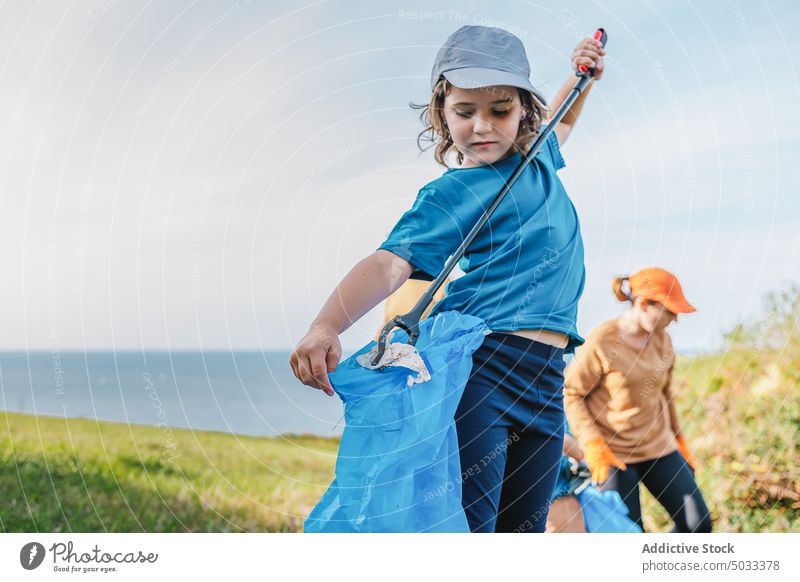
<point>600,457</point>
<point>683,448</point>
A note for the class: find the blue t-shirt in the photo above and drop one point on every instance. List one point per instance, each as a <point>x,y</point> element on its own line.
<point>525,269</point>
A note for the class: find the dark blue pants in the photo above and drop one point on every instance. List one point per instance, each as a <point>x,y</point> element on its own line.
<point>671,481</point>
<point>510,425</point>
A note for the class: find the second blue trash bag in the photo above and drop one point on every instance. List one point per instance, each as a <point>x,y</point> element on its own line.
<point>605,512</point>
<point>398,468</point>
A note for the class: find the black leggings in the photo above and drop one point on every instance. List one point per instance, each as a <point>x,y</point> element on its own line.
<point>671,481</point>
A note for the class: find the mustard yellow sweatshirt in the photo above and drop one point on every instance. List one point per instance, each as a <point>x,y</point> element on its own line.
<point>622,394</point>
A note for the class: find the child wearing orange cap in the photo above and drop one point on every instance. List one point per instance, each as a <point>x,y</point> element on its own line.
<point>619,402</point>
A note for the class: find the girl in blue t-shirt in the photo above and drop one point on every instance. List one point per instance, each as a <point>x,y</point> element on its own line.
<point>523,273</point>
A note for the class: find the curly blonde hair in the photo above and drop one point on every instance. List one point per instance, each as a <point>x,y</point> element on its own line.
<point>432,117</point>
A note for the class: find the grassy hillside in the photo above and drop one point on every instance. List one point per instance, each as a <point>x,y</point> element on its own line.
<point>61,475</point>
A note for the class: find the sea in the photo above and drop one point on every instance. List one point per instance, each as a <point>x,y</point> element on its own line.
<point>244,392</point>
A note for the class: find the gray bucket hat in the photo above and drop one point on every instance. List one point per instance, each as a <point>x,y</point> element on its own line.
<point>480,56</point>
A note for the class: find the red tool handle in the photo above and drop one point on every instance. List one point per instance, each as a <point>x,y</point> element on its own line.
<point>601,36</point>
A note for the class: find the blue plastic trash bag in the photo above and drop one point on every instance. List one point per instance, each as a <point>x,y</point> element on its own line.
<point>398,468</point>
<point>605,512</point>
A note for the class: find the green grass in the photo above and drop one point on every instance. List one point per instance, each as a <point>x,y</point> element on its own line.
<point>68,475</point>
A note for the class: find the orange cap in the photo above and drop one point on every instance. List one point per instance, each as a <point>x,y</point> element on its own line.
<point>662,286</point>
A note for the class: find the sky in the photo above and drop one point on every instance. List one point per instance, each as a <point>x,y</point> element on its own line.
<point>201,175</point>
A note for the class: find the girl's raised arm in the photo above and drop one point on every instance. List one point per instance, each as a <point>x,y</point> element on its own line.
<point>588,52</point>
